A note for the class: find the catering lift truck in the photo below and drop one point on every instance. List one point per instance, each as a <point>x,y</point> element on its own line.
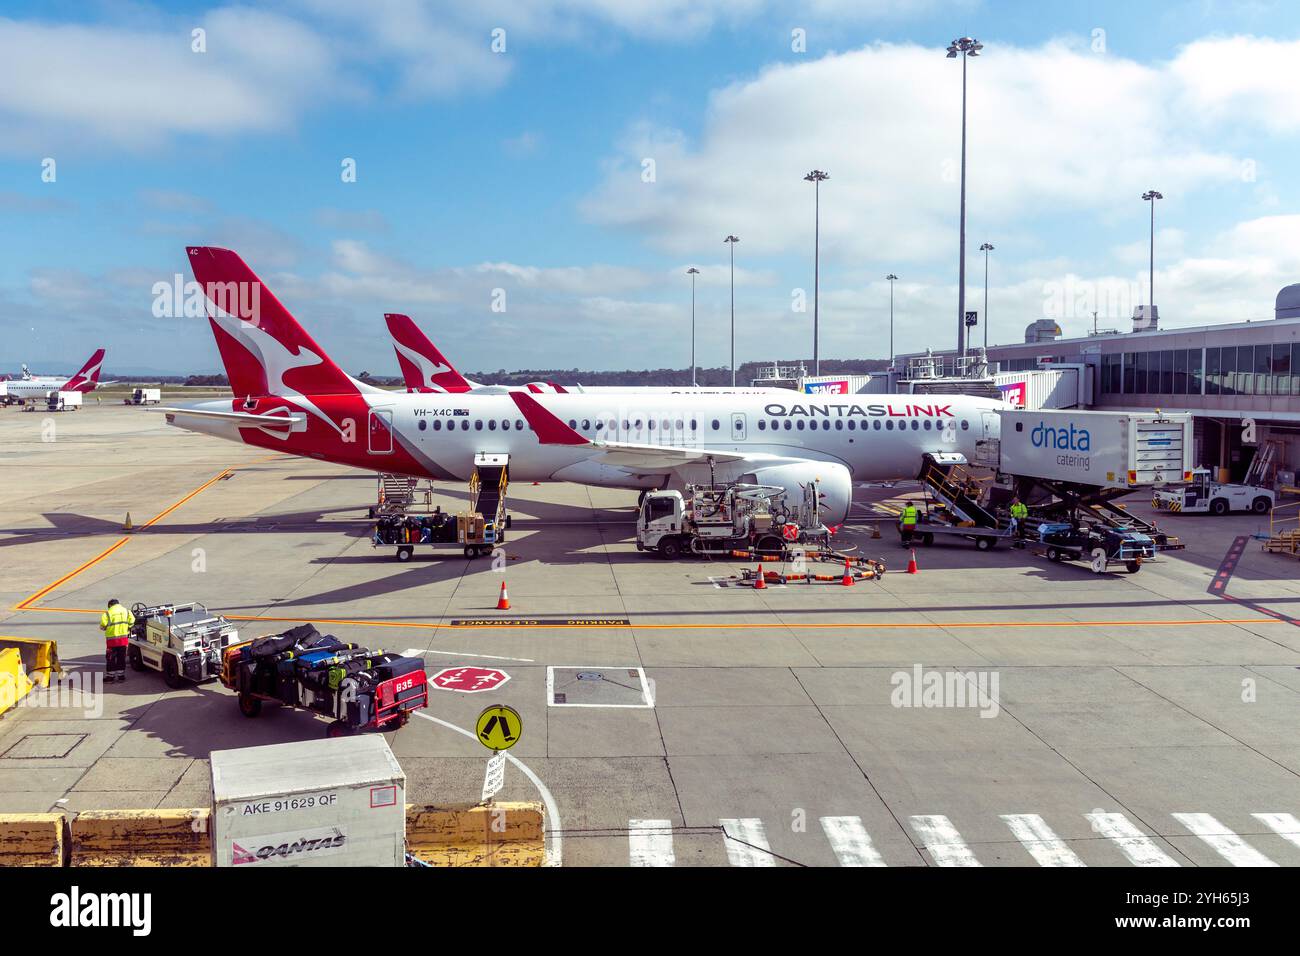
<point>723,518</point>
<point>1203,495</point>
<point>182,641</point>
<point>1069,468</point>
<point>143,396</point>
<point>402,524</point>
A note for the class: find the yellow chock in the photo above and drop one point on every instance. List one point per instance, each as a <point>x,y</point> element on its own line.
<point>128,526</point>
<point>875,531</point>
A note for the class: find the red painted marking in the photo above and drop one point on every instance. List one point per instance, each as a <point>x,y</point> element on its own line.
<point>469,680</point>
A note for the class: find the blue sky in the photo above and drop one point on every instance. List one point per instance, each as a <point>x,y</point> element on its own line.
<point>522,171</point>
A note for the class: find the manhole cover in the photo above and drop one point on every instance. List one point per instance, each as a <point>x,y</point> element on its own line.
<point>43,746</point>
<point>598,687</point>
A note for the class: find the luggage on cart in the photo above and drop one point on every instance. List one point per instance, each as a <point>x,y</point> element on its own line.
<point>389,666</point>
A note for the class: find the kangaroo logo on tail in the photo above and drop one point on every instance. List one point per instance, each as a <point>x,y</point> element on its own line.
<point>424,368</point>
<point>88,377</point>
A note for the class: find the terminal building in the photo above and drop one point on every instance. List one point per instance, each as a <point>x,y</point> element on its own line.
<point>1240,380</point>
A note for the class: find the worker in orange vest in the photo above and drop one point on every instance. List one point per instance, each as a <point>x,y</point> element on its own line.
<point>116,624</point>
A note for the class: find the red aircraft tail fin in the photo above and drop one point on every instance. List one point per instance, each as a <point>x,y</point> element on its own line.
<point>264,349</point>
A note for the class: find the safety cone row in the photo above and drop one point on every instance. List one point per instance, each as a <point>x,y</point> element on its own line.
<point>911,564</point>
<point>503,602</point>
<point>761,583</point>
<point>847,580</point>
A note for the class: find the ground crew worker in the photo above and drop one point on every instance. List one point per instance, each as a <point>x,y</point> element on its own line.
<point>116,624</point>
<point>1019,512</point>
<point>908,523</point>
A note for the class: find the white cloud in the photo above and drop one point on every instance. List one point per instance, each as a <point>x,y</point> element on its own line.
<point>1054,131</point>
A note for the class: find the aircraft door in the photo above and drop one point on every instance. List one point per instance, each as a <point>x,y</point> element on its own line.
<point>381,431</point>
<point>738,426</point>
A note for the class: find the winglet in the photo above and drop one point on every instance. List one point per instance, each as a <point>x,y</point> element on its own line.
<point>550,430</point>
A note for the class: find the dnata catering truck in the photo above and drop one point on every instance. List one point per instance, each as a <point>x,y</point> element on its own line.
<point>143,396</point>
<point>1099,449</point>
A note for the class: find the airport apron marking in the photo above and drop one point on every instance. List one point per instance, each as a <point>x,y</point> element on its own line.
<point>1219,585</point>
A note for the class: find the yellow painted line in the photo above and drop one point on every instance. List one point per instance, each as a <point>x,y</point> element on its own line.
<point>24,606</point>
<point>711,625</point>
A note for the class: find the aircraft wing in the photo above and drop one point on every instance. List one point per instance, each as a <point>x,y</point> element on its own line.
<point>551,431</point>
<point>297,422</point>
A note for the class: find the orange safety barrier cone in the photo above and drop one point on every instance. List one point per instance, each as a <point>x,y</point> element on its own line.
<point>128,526</point>
<point>761,583</point>
<point>847,580</point>
<point>503,602</point>
<point>911,564</point>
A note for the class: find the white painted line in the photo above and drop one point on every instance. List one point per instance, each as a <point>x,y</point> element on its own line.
<point>850,841</point>
<point>746,842</point>
<point>1222,840</point>
<point>1140,849</point>
<point>412,652</point>
<point>943,841</point>
<point>1284,825</point>
<point>650,843</point>
<point>554,846</point>
<point>1037,837</point>
<point>647,696</point>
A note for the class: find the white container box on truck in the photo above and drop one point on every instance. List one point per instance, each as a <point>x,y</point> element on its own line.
<point>333,802</point>
<point>63,401</point>
<point>1103,449</point>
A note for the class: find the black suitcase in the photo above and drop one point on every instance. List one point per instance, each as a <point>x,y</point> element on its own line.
<point>360,709</point>
<point>394,665</point>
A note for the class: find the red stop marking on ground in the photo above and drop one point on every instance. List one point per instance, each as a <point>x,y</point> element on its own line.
<point>469,679</point>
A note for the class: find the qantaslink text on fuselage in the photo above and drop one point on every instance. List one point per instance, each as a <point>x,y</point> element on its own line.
<point>776,410</point>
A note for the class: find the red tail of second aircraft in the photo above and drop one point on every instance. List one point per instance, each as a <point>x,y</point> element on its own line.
<point>424,368</point>
<point>86,379</point>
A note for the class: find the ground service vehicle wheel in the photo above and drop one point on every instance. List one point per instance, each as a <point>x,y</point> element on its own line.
<point>249,705</point>
<point>982,544</point>
<point>404,554</point>
<point>1134,567</point>
<point>171,672</point>
<point>770,544</point>
<point>928,538</point>
<point>670,548</point>
<point>1259,505</point>
<point>1053,554</point>
<point>134,659</point>
<point>338,728</point>
<point>508,517</point>
<point>1218,506</point>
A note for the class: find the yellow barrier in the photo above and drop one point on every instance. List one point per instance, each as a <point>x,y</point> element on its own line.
<point>503,834</point>
<point>141,838</point>
<point>32,839</point>
<point>40,658</point>
<point>14,683</point>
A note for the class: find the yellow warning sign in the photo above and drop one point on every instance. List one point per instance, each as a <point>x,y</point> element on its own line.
<point>499,727</point>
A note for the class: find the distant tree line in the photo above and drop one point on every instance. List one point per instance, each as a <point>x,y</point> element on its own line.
<point>712,377</point>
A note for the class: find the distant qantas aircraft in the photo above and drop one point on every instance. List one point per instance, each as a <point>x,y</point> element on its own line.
<point>289,396</point>
<point>31,387</point>
<point>425,369</point>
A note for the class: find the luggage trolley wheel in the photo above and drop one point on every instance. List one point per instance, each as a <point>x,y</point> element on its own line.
<point>984,543</point>
<point>1053,554</point>
<point>404,554</point>
<point>1134,567</point>
<point>338,728</point>
<point>927,539</point>
<point>249,705</point>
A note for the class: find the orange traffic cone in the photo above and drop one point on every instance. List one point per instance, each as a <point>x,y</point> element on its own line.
<point>503,602</point>
<point>847,580</point>
<point>761,583</point>
<point>911,564</point>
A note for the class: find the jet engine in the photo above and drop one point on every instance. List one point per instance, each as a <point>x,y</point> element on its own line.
<point>832,480</point>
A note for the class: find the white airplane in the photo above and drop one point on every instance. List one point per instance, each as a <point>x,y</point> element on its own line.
<point>289,396</point>
<point>35,387</point>
<point>426,369</point>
